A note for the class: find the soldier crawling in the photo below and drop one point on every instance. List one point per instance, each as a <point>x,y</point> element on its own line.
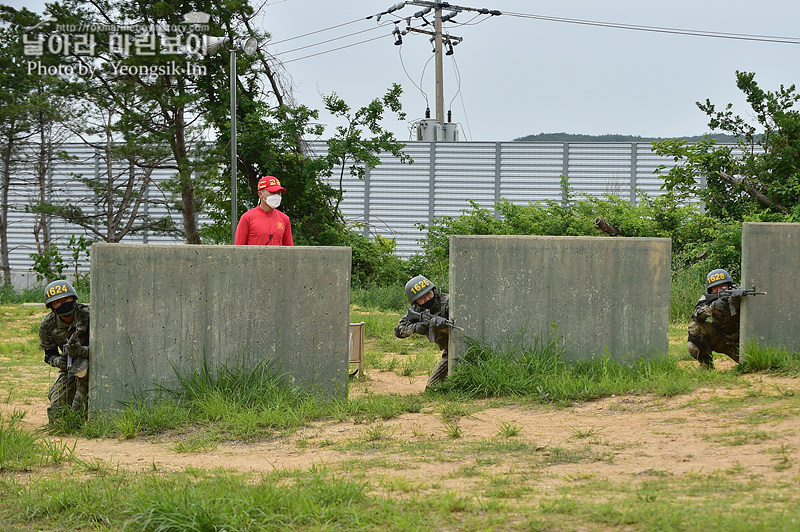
<point>721,303</point>
<point>429,316</point>
<point>66,328</point>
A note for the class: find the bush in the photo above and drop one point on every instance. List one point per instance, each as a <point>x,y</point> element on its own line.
<point>374,261</point>
<point>700,243</point>
<point>386,298</point>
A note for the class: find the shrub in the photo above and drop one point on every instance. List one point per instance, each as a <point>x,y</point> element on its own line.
<point>700,242</point>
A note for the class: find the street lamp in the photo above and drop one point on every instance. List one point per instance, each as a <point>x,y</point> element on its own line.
<point>249,46</point>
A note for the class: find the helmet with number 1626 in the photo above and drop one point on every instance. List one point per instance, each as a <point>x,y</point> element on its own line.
<point>417,287</point>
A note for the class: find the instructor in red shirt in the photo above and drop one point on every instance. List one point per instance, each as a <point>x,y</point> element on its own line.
<point>265,225</point>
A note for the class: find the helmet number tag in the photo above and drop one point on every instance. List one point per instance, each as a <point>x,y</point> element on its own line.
<point>419,286</point>
<point>716,277</point>
<point>57,289</point>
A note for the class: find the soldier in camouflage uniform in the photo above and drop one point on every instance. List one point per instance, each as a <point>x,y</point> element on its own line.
<point>64,338</point>
<point>721,334</point>
<point>422,295</point>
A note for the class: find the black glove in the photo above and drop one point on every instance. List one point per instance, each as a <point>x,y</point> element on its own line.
<point>420,328</point>
<point>719,304</point>
<point>75,350</point>
<point>59,362</point>
<point>438,321</point>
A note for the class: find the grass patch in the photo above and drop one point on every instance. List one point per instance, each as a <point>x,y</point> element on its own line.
<point>508,430</point>
<point>21,450</point>
<point>740,437</point>
<point>757,358</point>
<point>503,482</point>
<point>383,298</point>
<point>297,500</point>
<point>541,373</point>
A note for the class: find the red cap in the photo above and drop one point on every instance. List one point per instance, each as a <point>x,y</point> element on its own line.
<point>270,183</point>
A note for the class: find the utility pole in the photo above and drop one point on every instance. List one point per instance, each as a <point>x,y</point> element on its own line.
<point>437,35</point>
<point>437,48</point>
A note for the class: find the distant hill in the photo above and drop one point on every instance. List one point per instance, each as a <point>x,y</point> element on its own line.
<point>570,137</point>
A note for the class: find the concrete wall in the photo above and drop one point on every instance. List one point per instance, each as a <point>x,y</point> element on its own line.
<point>771,261</point>
<point>603,293</point>
<point>162,309</point>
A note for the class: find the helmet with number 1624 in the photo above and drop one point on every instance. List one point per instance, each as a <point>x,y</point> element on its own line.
<point>58,290</point>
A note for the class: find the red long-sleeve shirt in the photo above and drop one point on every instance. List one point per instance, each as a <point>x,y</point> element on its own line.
<point>258,227</point>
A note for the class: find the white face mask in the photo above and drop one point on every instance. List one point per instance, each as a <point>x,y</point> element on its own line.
<point>274,201</point>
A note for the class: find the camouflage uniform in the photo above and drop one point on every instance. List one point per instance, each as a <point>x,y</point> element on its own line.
<point>439,335</point>
<point>721,334</point>
<point>68,390</point>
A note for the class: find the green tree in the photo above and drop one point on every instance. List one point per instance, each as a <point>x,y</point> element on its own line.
<point>760,176</point>
<point>122,181</point>
<point>15,126</point>
<point>38,107</point>
<point>354,150</point>
<point>154,77</point>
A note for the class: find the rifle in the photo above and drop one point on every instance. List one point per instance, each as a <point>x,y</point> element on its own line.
<point>435,321</point>
<point>74,339</point>
<point>736,292</point>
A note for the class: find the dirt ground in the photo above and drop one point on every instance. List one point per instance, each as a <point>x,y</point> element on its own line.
<point>637,435</point>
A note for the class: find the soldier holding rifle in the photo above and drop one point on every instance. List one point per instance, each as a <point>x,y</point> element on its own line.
<point>64,338</point>
<point>715,321</point>
<point>429,316</point>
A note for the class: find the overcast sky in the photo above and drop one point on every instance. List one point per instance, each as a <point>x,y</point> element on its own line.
<point>521,76</point>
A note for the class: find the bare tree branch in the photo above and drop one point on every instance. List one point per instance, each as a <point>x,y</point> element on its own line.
<point>753,192</point>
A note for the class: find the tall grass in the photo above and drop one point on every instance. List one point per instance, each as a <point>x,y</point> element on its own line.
<point>387,298</point>
<point>21,450</point>
<point>315,499</point>
<point>686,287</point>
<point>768,358</point>
<point>236,402</point>
<point>540,372</point>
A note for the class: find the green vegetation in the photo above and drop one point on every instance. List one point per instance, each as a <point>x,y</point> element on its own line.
<point>769,358</point>
<point>21,450</point>
<point>758,179</point>
<point>542,374</point>
<point>699,242</point>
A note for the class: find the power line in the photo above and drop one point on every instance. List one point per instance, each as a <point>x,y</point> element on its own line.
<point>400,51</point>
<point>318,31</point>
<point>335,49</point>
<point>461,96</point>
<point>659,29</point>
<point>547,18</point>
<point>328,40</point>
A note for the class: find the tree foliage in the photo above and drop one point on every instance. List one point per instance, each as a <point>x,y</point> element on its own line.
<point>697,238</point>
<point>36,108</point>
<point>349,148</point>
<point>759,178</point>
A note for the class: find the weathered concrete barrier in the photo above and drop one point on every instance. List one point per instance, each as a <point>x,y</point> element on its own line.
<point>604,295</point>
<point>771,261</point>
<point>163,310</point>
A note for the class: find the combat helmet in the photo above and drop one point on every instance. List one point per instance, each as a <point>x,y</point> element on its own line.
<point>717,277</point>
<point>417,287</point>
<point>57,290</point>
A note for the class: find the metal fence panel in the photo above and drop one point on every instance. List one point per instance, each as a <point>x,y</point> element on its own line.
<point>530,171</point>
<point>393,199</point>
